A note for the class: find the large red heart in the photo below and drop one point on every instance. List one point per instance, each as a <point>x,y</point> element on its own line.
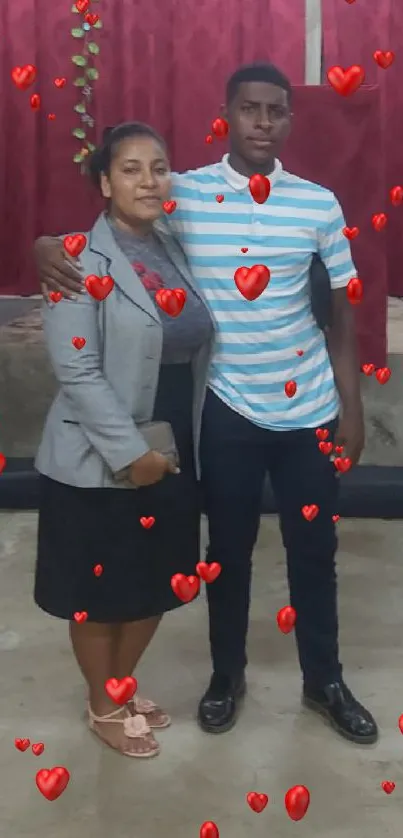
<point>384,59</point>
<point>346,81</point>
<point>325,447</point>
<point>351,232</point>
<point>169,207</point>
<point>296,801</point>
<point>121,690</point>
<point>251,282</point>
<point>310,511</point>
<point>257,801</point>
<point>355,291</point>
<point>259,188</point>
<point>290,388</point>
<point>286,618</point>
<point>52,782</point>
<point>383,375</point>
<point>75,244</point>
<point>82,5</point>
<point>78,342</point>
<point>171,300</point>
<point>388,786</point>
<point>38,748</point>
<point>322,433</point>
<point>379,220</point>
<point>208,572</point>
<point>368,369</point>
<point>147,523</point>
<point>91,19</point>
<point>22,744</point>
<point>209,829</point>
<point>220,127</point>
<point>23,77</point>
<point>342,464</point>
<point>99,286</point>
<point>185,587</point>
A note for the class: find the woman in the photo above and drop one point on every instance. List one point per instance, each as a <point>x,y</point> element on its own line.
<point>99,558</point>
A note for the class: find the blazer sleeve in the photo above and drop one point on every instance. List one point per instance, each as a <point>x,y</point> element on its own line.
<point>104,420</point>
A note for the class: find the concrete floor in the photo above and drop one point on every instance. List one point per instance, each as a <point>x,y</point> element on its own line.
<point>198,777</point>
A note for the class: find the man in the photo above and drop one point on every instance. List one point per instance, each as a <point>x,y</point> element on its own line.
<point>250,423</point>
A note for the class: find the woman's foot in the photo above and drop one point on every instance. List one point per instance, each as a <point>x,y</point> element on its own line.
<point>127,733</point>
<point>156,717</point>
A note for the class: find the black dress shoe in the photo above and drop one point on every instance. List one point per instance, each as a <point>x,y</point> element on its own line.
<point>219,707</point>
<point>337,704</point>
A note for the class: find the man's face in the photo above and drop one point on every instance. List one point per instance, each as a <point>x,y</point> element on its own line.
<point>259,121</point>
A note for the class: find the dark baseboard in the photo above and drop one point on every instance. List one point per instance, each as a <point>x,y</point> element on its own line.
<point>365,492</point>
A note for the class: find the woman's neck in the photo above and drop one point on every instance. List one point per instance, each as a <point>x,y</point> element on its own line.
<point>139,229</point>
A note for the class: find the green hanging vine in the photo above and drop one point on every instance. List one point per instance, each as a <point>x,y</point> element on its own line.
<point>88,74</point>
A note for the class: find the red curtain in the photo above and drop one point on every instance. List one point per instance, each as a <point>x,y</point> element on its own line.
<point>161,61</point>
<point>351,35</point>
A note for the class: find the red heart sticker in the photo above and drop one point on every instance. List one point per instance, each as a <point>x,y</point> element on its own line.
<point>335,518</point>
<point>51,116</point>
<point>383,59</point>
<point>259,188</point>
<point>244,249</point>
<point>99,286</point>
<point>208,572</point>
<point>368,369</point>
<point>2,462</point>
<point>351,232</point>
<point>339,449</point>
<point>209,829</point>
<point>219,199</point>
<point>75,244</point>
<point>169,207</point>
<point>38,748</point>
<point>383,375</point>
<point>52,782</point>
<point>388,786</point>
<point>147,523</point>
<point>98,570</point>
<point>60,82</point>
<point>23,77</point>
<point>355,290</point>
<point>171,300</point>
<point>322,434</point>
<point>220,128</point>
<point>325,447</point>
<point>185,587</point>
<point>55,296</point>
<point>78,342</point>
<point>379,220</point>
<point>251,282</point>
<point>300,352</point>
<point>80,616</point>
<point>346,81</point>
<point>396,195</point>
<point>82,5</point>
<point>342,464</point>
<point>296,802</point>
<point>35,101</point>
<point>400,723</point>
<point>286,618</point>
<point>310,511</point>
<point>91,19</point>
<point>22,744</point>
<point>257,801</point>
<point>290,388</point>
<point>208,139</point>
<point>121,690</point>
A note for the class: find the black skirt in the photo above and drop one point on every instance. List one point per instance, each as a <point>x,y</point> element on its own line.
<point>81,528</point>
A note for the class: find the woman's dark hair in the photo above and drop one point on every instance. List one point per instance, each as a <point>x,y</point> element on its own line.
<point>100,159</point>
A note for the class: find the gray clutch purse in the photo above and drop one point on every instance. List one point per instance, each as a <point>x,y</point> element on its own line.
<point>159,437</point>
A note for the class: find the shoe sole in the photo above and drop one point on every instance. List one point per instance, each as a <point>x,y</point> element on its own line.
<point>206,728</point>
<point>358,740</point>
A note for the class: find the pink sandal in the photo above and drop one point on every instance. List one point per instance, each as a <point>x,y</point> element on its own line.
<point>134,727</point>
<point>148,709</point>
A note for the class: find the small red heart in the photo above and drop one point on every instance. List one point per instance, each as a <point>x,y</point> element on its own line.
<point>322,434</point>
<point>368,369</point>
<point>244,249</point>
<point>171,300</point>
<point>388,786</point>
<point>351,232</point>
<point>346,81</point>
<point>185,587</point>
<point>38,749</point>
<point>169,207</point>
<point>355,290</point>
<point>22,744</point>
<point>257,801</point>
<point>2,462</point>
<point>121,690</point>
<point>219,199</point>
<point>400,723</point>
<point>300,352</point>
<point>51,116</point>
<point>98,570</point>
<point>342,464</point>
<point>52,783</point>
<point>251,282</point>
<point>147,523</point>
<point>208,572</point>
<point>335,518</point>
<point>339,449</point>
<point>80,616</point>
<point>208,139</point>
<point>35,101</point>
<point>78,343</point>
<point>290,388</point>
<point>384,59</point>
<point>75,244</point>
<point>396,195</point>
<point>379,220</point>
<point>297,801</point>
<point>350,2</point>
<point>60,82</point>
<point>99,286</point>
<point>91,19</point>
<point>310,511</point>
<point>209,829</point>
<point>286,618</point>
<point>325,447</point>
<point>55,296</point>
<point>383,375</point>
<point>259,188</point>
<point>82,5</point>
<point>220,128</point>
<point>23,77</point>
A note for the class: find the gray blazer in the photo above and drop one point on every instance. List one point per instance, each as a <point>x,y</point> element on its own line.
<point>110,385</point>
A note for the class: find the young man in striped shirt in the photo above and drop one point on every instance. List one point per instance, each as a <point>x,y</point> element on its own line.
<point>253,423</point>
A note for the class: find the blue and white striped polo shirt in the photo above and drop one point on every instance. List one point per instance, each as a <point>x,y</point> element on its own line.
<point>259,341</point>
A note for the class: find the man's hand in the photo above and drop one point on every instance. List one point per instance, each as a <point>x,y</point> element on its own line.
<point>351,435</point>
<point>57,270</point>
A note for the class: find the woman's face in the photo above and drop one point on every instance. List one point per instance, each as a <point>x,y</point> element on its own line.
<point>139,180</point>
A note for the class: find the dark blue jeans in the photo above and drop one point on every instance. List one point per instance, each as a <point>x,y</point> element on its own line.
<point>235,456</point>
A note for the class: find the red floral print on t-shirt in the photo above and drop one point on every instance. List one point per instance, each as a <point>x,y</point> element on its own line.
<point>151,280</point>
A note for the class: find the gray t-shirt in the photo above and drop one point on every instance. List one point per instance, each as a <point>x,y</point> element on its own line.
<point>182,335</point>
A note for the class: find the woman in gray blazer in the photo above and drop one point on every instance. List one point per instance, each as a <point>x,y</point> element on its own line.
<point>108,548</point>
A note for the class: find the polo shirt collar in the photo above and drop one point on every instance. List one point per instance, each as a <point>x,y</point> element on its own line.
<point>240,182</point>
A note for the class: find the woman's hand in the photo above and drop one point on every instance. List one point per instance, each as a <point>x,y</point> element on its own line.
<point>150,469</point>
<point>57,270</point>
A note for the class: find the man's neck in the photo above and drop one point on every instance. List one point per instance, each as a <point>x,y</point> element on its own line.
<point>243,168</point>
